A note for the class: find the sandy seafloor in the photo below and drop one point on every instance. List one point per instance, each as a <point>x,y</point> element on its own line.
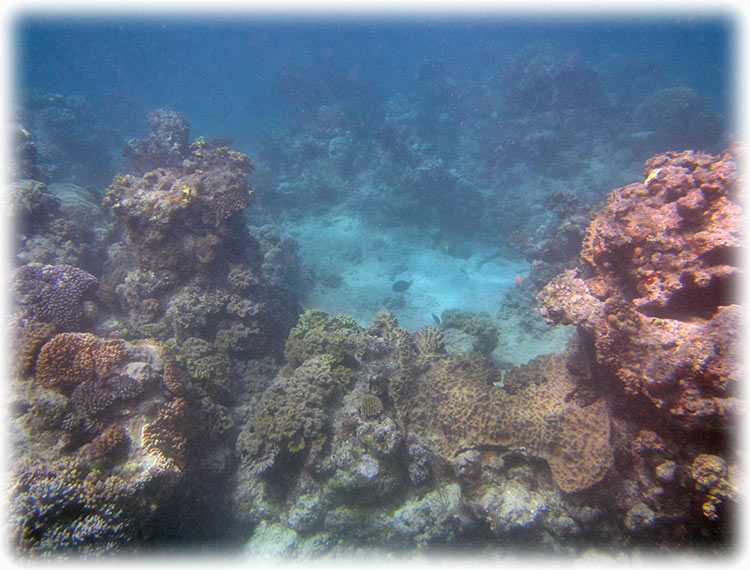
<point>342,245</point>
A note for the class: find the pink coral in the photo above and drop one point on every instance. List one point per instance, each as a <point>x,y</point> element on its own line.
<point>656,291</point>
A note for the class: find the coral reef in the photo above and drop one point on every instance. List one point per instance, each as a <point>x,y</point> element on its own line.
<point>676,118</point>
<point>479,326</point>
<point>70,359</point>
<point>32,206</point>
<point>93,462</point>
<point>195,202</point>
<point>416,436</point>
<point>657,290</point>
<point>453,407</point>
<point>72,143</point>
<point>656,306</point>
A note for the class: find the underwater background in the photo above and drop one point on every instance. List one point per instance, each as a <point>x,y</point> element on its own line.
<point>326,286</point>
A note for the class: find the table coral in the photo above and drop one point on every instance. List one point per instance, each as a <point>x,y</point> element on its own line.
<point>453,409</point>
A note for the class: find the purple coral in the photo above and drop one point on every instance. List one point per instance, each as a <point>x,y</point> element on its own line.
<point>53,293</point>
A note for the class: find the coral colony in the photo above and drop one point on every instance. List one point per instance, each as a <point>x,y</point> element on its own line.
<point>175,383</point>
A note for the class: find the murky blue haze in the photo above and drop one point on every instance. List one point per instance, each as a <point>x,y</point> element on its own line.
<point>444,169</point>
<point>225,75</point>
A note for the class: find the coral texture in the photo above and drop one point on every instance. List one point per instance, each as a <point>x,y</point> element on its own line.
<point>657,291</point>
<point>291,419</point>
<point>52,293</point>
<point>70,359</point>
<point>191,202</point>
<point>477,325</point>
<point>452,406</point>
<point>166,145</point>
<point>104,445</point>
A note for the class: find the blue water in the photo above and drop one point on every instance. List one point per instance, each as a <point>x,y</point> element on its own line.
<point>224,74</point>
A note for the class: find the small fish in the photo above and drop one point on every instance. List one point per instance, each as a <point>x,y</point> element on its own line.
<point>518,279</point>
<point>436,319</point>
<point>401,286</point>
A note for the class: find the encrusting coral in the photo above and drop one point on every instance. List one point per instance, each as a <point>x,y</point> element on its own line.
<point>452,406</point>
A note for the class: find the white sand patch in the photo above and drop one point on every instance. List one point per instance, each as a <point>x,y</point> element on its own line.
<point>368,263</point>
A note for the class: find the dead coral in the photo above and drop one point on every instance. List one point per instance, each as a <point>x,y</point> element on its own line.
<point>715,479</point>
<point>656,291</point>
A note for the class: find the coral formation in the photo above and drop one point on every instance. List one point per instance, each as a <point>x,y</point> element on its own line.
<point>166,145</point>
<point>52,293</point>
<point>71,359</point>
<point>657,289</point>
<point>478,325</point>
<point>291,419</point>
<point>72,142</point>
<point>452,406</point>
<point>193,201</point>
<point>371,406</point>
<point>104,446</point>
<point>659,318</point>
<point>32,206</point>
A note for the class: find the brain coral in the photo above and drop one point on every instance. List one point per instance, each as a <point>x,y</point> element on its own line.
<point>452,407</point>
